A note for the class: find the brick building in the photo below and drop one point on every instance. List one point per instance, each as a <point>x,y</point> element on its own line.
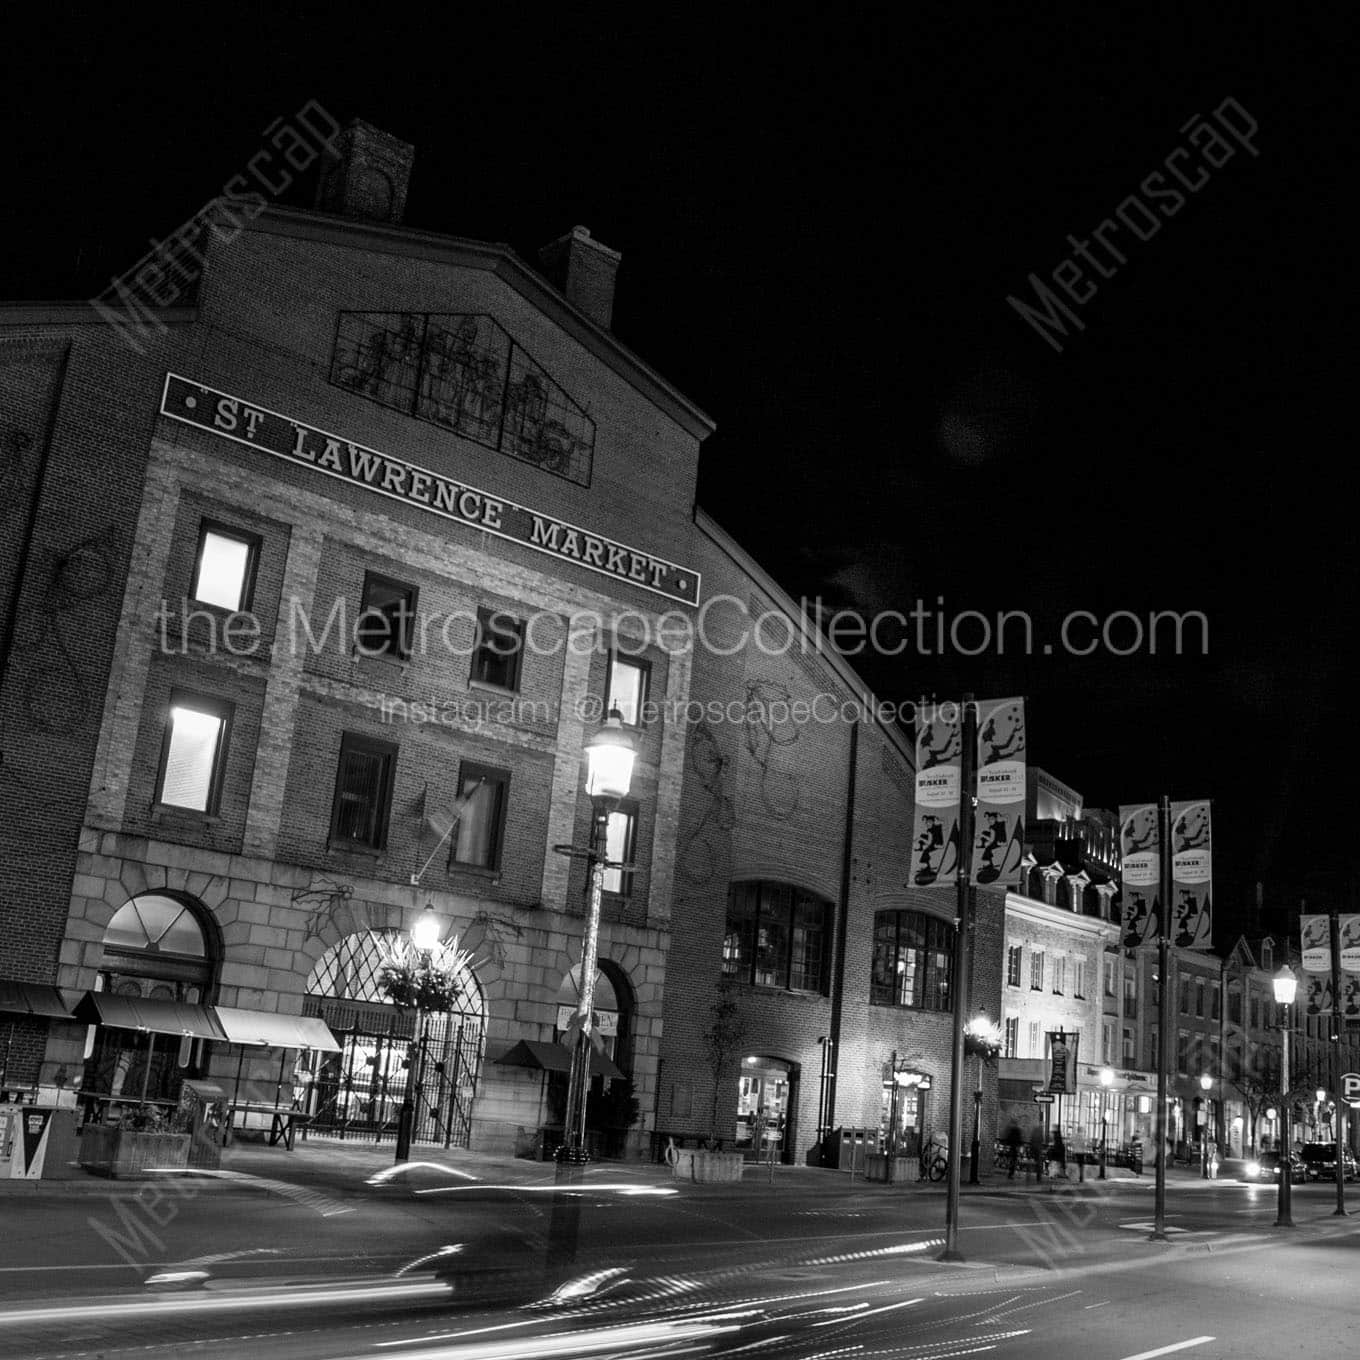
<point>393,519</point>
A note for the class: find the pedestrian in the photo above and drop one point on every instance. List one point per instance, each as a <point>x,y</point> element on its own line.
<point>1060,1153</point>
<point>1013,1141</point>
<point>1036,1150</point>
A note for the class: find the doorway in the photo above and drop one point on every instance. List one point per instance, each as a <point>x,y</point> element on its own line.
<point>767,1086</point>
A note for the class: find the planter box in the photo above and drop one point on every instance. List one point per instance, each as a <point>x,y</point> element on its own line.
<point>712,1168</point>
<point>881,1166</point>
<point>108,1150</point>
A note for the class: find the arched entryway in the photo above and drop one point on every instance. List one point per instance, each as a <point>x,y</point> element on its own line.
<point>359,1091</point>
<point>157,947</point>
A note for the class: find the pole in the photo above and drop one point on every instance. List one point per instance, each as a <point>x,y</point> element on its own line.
<point>977,1126</point>
<point>1340,1210</point>
<point>406,1114</point>
<point>578,1081</point>
<point>1282,1213</point>
<point>1104,1129</point>
<point>1163,1016</point>
<point>960,999</point>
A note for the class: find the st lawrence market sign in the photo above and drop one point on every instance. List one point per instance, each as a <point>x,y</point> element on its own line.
<point>258,428</point>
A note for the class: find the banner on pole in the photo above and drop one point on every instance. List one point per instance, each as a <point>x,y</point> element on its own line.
<point>999,834</point>
<point>1316,940</point>
<point>1191,875</point>
<point>1062,1055</point>
<point>1350,943</point>
<point>939,760</point>
<point>1140,851</point>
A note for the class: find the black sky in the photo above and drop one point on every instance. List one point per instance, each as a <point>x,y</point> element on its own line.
<point>821,222</point>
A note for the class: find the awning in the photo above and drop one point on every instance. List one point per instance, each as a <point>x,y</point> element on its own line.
<point>266,1029</point>
<point>159,1017</point>
<point>32,998</point>
<point>554,1058</point>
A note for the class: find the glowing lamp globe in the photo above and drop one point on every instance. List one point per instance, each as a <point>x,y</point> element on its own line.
<point>610,754</point>
<point>1285,984</point>
<point>426,931</point>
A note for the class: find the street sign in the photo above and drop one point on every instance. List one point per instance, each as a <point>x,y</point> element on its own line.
<point>1350,1086</point>
<point>1043,1097</point>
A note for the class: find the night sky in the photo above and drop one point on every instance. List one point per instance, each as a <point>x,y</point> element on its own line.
<point>821,223</point>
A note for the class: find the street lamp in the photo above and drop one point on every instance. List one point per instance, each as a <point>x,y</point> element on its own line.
<point>1205,1082</point>
<point>982,1038</point>
<point>1106,1080</point>
<point>610,754</point>
<point>1285,984</point>
<point>425,935</point>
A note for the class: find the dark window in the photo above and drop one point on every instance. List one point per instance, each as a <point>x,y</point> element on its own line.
<point>620,845</point>
<point>776,936</point>
<point>913,961</point>
<point>224,569</point>
<point>387,616</point>
<point>497,650</point>
<point>480,831</point>
<point>1013,966</point>
<point>363,791</point>
<point>628,688</point>
<point>1130,997</point>
<point>1199,997</point>
<point>1036,970</point>
<point>193,753</point>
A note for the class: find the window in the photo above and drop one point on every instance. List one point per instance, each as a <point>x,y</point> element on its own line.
<point>387,616</point>
<point>224,570</point>
<point>628,688</point>
<point>913,961</point>
<point>1013,967</point>
<point>1110,968</point>
<point>1215,1003</point>
<point>1036,971</point>
<point>776,936</point>
<point>363,792</point>
<point>1036,1040</point>
<point>1234,1006</point>
<point>1012,1047</point>
<point>1079,978</point>
<point>1256,1012</point>
<point>1267,955</point>
<point>481,816</point>
<point>1130,996</point>
<point>497,649</point>
<point>1153,1051</point>
<point>1183,1053</point>
<point>192,756</point>
<point>1130,1049</point>
<point>1107,1042</point>
<point>1185,996</point>
<point>1059,975</point>
<point>620,838</point>
<point>1199,997</point>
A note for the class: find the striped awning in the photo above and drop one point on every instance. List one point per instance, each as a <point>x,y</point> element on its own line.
<point>32,998</point>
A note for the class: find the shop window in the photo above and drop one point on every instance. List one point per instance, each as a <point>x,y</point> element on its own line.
<point>386,620</point>
<point>776,936</point>
<point>620,845</point>
<point>193,753</point>
<point>224,569</point>
<point>628,680</point>
<point>363,792</point>
<point>482,794</point>
<point>497,650</point>
<point>913,961</point>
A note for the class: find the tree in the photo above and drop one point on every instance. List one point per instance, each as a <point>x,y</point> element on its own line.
<point>722,1042</point>
<point>1259,1084</point>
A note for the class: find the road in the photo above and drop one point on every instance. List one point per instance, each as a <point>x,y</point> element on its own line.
<point>808,1267</point>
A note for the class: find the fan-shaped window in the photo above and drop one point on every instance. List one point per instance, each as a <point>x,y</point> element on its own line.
<point>156,924</point>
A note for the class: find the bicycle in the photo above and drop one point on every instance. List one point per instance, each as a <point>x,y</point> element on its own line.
<point>934,1161</point>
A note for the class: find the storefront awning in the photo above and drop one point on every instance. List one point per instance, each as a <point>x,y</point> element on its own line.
<point>265,1029</point>
<point>32,998</point>
<point>159,1017</point>
<point>547,1057</point>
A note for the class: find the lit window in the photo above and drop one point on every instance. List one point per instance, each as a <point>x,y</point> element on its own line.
<point>776,936</point>
<point>481,816</point>
<point>912,961</point>
<point>363,792</point>
<point>386,620</point>
<point>620,834</point>
<point>191,763</point>
<point>497,650</point>
<point>224,570</point>
<point>627,689</point>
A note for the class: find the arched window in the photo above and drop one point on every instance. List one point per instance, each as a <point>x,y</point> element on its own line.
<point>913,963</point>
<point>777,936</point>
<point>155,947</point>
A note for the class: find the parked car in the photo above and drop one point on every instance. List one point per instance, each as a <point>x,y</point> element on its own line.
<point>1320,1161</point>
<point>1266,1167</point>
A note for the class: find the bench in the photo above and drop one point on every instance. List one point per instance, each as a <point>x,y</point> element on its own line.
<point>284,1122</point>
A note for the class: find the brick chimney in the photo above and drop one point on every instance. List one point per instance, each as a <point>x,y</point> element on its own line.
<point>365,175</point>
<point>583,270</point>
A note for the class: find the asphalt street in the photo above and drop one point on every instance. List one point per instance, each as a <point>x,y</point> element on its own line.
<point>309,1258</point>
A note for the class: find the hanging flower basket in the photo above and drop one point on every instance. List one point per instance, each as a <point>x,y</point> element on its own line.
<point>426,981</point>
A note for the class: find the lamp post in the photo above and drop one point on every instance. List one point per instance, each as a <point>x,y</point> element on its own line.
<point>1106,1079</point>
<point>981,1038</point>
<point>1205,1082</point>
<point>610,754</point>
<point>425,938</point>
<point>1285,984</point>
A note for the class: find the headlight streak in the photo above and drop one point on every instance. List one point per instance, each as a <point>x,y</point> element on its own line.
<point>901,1249</point>
<point>869,1312</point>
<point>392,1172</point>
<point>586,1188</point>
<point>443,1253</point>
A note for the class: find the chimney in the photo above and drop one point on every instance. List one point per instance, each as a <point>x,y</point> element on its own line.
<point>583,270</point>
<point>364,174</point>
